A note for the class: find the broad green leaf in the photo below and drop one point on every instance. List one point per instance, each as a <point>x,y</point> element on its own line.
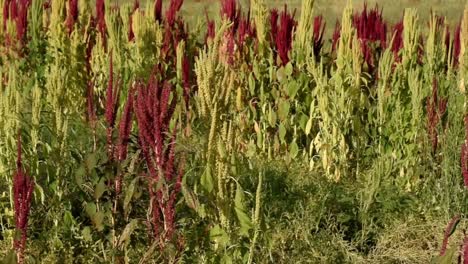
<point>308,126</point>
<point>90,209</point>
<point>129,194</point>
<point>293,149</point>
<point>280,74</point>
<point>207,180</point>
<point>100,189</point>
<point>79,174</point>
<point>219,236</point>
<point>252,84</point>
<point>98,219</point>
<point>68,219</point>
<point>244,220</point>
<point>41,192</point>
<point>86,233</point>
<point>288,69</point>
<point>127,232</point>
<point>226,259</point>
<point>91,161</point>
<point>293,88</point>
<point>251,149</point>
<point>283,109</point>
<point>282,132</point>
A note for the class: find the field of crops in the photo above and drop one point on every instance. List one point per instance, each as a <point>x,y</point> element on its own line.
<point>259,135</point>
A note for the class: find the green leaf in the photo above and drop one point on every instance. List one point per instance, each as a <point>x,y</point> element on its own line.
<point>127,232</point>
<point>91,161</point>
<point>283,109</point>
<point>293,149</point>
<point>288,70</point>
<point>68,219</point>
<point>86,233</point>
<point>282,132</point>
<point>79,175</point>
<point>219,236</point>
<point>207,180</point>
<point>129,194</point>
<point>97,220</point>
<point>280,74</point>
<point>100,189</point>
<point>308,127</point>
<point>90,209</point>
<point>191,199</point>
<point>41,192</point>
<point>293,88</point>
<point>244,220</point>
<point>251,84</point>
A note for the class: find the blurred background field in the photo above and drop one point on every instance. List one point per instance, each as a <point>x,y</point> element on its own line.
<point>194,10</point>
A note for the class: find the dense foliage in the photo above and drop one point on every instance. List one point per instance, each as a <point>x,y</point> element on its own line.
<point>128,137</point>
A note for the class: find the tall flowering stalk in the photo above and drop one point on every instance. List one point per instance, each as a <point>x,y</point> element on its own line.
<point>72,15</point>
<point>435,108</point>
<point>23,187</point>
<point>101,20</point>
<point>464,154</point>
<point>171,12</point>
<point>154,106</point>
<point>131,34</point>
<point>112,98</point>
<point>158,10</point>
<point>448,232</point>
<point>16,11</point>
<point>125,128</point>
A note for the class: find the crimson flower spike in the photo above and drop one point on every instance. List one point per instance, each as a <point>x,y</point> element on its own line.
<point>465,250</point>
<point>131,34</point>
<point>246,29</point>
<point>336,35</point>
<point>100,19</point>
<point>435,109</point>
<point>72,15</point>
<point>171,12</point>
<point>210,28</point>
<point>319,29</point>
<point>397,40</point>
<point>230,11</point>
<point>23,187</point>
<point>283,38</point>
<point>6,13</point>
<point>448,231</point>
<point>154,107</point>
<point>273,25</point>
<point>158,10</point>
<point>125,128</point>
